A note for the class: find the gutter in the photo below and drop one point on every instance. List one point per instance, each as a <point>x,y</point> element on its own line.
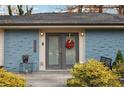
<point>62,26</point>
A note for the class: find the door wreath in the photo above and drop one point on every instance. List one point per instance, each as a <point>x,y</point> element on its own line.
<point>69,43</point>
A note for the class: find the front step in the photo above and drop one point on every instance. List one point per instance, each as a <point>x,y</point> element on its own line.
<point>52,72</point>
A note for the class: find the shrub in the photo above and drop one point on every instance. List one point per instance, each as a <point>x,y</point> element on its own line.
<point>8,79</point>
<point>118,59</point>
<point>93,74</point>
<point>119,70</point>
<point>118,65</point>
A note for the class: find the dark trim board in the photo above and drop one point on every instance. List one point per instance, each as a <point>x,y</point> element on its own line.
<point>63,24</point>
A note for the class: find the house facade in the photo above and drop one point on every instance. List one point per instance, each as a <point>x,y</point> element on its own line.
<point>44,37</point>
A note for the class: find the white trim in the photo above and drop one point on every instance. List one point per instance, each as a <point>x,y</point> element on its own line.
<point>42,49</point>
<point>68,26</point>
<point>42,52</point>
<point>82,47</point>
<point>1,47</point>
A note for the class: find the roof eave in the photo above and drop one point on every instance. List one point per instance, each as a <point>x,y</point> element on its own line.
<point>62,26</point>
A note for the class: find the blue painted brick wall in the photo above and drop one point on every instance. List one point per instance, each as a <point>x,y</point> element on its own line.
<point>18,43</point>
<point>104,42</point>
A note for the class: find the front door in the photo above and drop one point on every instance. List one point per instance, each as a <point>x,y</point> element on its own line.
<point>57,55</point>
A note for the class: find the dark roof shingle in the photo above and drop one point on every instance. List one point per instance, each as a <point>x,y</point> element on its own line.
<point>62,19</point>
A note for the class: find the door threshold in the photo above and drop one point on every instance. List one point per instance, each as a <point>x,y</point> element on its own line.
<point>56,70</point>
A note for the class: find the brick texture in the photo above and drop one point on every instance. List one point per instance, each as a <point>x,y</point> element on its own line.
<point>18,43</point>
<point>104,42</point>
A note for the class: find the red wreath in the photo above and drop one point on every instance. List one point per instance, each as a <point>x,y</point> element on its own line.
<point>69,44</point>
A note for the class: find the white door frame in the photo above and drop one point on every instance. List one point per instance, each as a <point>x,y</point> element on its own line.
<point>42,45</point>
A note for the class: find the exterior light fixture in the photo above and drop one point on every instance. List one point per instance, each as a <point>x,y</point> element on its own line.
<point>41,33</point>
<point>82,34</point>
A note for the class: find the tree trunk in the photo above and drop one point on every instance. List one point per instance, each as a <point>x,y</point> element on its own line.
<point>121,9</point>
<point>9,10</point>
<point>20,9</point>
<point>79,8</point>
<point>100,9</point>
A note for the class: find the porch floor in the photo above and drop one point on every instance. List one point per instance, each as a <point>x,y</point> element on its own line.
<point>47,79</point>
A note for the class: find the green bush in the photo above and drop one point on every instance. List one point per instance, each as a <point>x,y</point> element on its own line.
<point>118,65</point>
<point>8,79</point>
<point>119,70</point>
<point>92,74</point>
<point>118,59</point>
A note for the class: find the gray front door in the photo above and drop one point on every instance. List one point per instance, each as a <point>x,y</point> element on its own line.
<point>57,55</point>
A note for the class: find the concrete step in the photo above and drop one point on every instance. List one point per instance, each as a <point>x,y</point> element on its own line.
<point>48,78</point>
<point>52,72</point>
